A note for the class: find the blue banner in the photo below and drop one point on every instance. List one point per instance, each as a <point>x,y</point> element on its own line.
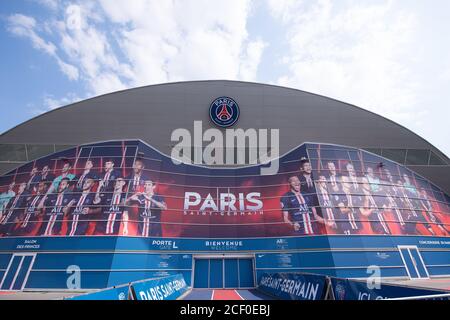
<point>168,288</point>
<point>293,286</point>
<point>104,243</point>
<point>118,293</point>
<point>346,289</point>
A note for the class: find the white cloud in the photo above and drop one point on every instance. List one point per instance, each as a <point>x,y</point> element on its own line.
<point>251,60</point>
<point>50,102</point>
<point>180,40</point>
<point>50,4</point>
<point>88,47</point>
<point>69,70</point>
<point>355,53</point>
<point>25,26</point>
<point>120,44</point>
<point>284,9</point>
<point>444,74</point>
<point>374,54</point>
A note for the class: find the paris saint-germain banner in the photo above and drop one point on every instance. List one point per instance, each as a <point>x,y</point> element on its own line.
<point>168,288</point>
<point>347,289</point>
<point>293,286</point>
<point>127,188</point>
<point>117,293</point>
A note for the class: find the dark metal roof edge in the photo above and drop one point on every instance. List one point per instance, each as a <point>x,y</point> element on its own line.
<point>230,81</point>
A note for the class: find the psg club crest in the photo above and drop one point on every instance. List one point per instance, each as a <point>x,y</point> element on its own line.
<point>224,112</point>
<point>339,292</point>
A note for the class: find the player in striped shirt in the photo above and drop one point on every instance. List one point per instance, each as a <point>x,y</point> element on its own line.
<point>297,212</point>
<point>13,211</point>
<point>325,199</point>
<point>150,206</point>
<point>373,209</point>
<point>32,212</point>
<point>55,207</point>
<point>113,210</point>
<point>348,218</point>
<point>82,207</point>
<point>428,208</point>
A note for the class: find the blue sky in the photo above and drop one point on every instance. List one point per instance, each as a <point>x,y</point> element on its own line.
<point>390,57</point>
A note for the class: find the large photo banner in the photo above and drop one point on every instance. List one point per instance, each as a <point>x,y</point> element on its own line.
<point>127,188</point>
<point>366,194</point>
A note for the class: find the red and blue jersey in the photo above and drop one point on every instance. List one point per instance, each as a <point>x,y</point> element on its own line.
<point>147,208</point>
<point>136,182</point>
<point>55,203</point>
<point>82,201</point>
<point>15,207</point>
<point>31,209</point>
<point>107,180</point>
<point>112,207</point>
<point>299,211</point>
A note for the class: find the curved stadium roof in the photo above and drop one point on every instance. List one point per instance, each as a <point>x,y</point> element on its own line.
<point>151,113</point>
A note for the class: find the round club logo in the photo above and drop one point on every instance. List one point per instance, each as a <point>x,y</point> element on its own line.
<point>340,291</point>
<point>224,112</point>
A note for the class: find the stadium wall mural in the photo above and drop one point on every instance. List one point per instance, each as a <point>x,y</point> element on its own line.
<point>127,188</point>
<point>121,211</point>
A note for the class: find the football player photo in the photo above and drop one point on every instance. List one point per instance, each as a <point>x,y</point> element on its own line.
<point>33,180</point>
<point>373,181</point>
<point>349,204</point>
<point>88,173</point>
<point>352,180</point>
<point>296,210</point>
<point>325,198</point>
<point>306,177</point>
<point>5,197</point>
<point>65,174</point>
<point>374,210</point>
<point>113,210</point>
<point>428,208</point>
<point>136,179</point>
<point>46,175</point>
<point>32,213</point>
<point>412,210</point>
<point>81,207</point>
<point>150,206</point>
<point>108,177</point>
<point>13,210</point>
<point>55,207</point>
<point>333,178</point>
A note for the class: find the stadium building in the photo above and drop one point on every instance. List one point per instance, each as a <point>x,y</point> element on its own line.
<point>121,187</point>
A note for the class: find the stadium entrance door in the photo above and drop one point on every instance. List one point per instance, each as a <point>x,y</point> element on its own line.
<point>223,272</point>
<point>16,274</point>
<point>412,259</point>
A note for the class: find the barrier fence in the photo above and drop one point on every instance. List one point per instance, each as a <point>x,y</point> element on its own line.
<point>284,286</point>
<point>429,297</point>
<point>303,286</point>
<point>165,288</point>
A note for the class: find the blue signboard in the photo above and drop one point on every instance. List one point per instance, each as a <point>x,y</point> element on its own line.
<point>119,293</point>
<point>168,288</point>
<point>346,289</point>
<point>293,286</point>
<point>102,243</point>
